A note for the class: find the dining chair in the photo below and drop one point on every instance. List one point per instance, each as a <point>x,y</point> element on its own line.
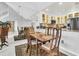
<point>27,36</point>
<point>30,40</point>
<point>53,45</point>
<point>3,35</point>
<point>6,32</point>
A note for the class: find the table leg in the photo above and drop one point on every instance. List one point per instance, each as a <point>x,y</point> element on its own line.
<point>47,31</point>
<point>37,47</point>
<point>58,52</point>
<point>40,48</point>
<point>50,31</point>
<point>30,48</point>
<point>27,46</point>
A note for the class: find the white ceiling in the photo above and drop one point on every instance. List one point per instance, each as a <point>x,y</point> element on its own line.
<point>3,9</point>
<point>28,9</point>
<point>62,9</point>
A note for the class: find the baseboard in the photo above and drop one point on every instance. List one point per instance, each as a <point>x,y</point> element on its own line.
<point>68,52</point>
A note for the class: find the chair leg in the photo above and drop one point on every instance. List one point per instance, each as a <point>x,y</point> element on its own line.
<point>40,49</point>
<point>30,47</point>
<point>58,52</point>
<point>50,31</point>
<point>27,48</point>
<point>30,50</point>
<point>37,48</point>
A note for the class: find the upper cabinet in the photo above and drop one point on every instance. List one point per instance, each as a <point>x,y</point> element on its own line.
<point>76,14</point>
<point>73,14</point>
<point>59,19</point>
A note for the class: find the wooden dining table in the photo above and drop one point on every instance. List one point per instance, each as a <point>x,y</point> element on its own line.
<point>40,37</point>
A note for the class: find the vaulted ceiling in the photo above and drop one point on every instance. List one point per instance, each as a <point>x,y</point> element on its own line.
<point>28,9</point>
<point>3,9</point>
<point>62,8</point>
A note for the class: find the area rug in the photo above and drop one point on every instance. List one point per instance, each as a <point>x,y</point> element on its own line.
<point>21,51</point>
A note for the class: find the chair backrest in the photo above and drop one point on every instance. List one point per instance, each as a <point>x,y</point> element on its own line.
<point>4,32</point>
<point>26,32</point>
<point>58,35</point>
<point>31,29</point>
<point>57,32</point>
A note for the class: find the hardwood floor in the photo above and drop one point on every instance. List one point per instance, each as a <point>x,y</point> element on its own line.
<point>21,51</point>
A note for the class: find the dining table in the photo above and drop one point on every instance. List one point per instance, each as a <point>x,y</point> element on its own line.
<point>40,37</point>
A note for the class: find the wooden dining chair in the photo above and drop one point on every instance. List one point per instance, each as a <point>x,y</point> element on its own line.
<point>3,35</point>
<point>31,29</point>
<point>30,40</point>
<point>27,36</point>
<point>6,32</point>
<point>54,43</point>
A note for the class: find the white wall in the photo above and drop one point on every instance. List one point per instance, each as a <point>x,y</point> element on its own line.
<point>22,22</point>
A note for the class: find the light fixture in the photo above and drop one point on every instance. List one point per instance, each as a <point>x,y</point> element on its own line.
<point>60,3</point>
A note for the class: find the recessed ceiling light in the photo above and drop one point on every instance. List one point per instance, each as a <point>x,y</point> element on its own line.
<point>60,3</point>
